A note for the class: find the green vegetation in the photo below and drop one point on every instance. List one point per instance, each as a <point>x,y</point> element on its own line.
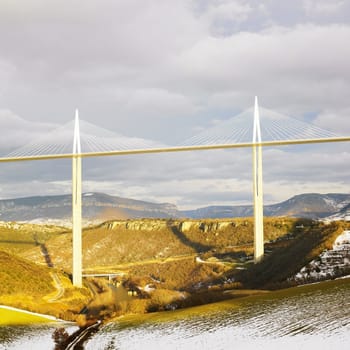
<point>17,317</point>
<point>18,275</point>
<point>177,275</point>
<point>168,263</point>
<point>17,238</point>
<point>128,241</point>
<point>29,286</point>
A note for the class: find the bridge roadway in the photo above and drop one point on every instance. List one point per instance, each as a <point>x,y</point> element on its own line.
<point>171,149</point>
<point>109,275</point>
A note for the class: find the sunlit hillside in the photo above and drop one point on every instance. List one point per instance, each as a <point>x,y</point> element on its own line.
<point>126,241</point>
<point>34,287</point>
<point>182,262</point>
<point>19,237</point>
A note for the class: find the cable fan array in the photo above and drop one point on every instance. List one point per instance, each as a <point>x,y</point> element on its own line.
<point>274,127</point>
<point>94,139</point>
<point>235,131</point>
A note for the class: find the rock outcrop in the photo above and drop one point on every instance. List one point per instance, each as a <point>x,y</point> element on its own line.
<point>184,226</point>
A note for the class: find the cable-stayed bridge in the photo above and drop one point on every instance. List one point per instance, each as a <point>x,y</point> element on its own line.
<point>275,129</point>
<point>255,127</point>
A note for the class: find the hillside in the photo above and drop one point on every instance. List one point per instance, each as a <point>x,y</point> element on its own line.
<point>124,241</point>
<point>168,263</point>
<point>286,258</point>
<point>36,287</point>
<point>17,274</point>
<point>16,238</point>
<point>145,251</point>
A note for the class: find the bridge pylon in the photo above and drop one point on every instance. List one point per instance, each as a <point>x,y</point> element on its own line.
<point>76,205</point>
<point>258,188</point>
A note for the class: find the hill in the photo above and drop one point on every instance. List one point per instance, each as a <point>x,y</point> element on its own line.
<point>21,275</point>
<point>308,205</point>
<point>288,257</point>
<point>95,206</point>
<point>35,287</point>
<point>99,207</point>
<point>125,241</point>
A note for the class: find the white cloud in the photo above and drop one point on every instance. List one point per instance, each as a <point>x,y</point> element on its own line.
<point>323,7</point>
<point>157,103</point>
<point>222,15</point>
<point>17,131</point>
<point>6,72</point>
<point>270,60</point>
<point>335,120</point>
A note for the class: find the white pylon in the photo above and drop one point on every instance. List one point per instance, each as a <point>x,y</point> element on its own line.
<point>76,206</point>
<point>258,188</point>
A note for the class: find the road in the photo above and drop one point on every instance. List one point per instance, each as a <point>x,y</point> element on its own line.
<point>59,287</point>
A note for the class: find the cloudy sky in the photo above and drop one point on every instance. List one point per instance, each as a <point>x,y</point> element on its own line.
<point>164,70</point>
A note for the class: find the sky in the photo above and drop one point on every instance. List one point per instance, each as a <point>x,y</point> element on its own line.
<point>165,70</point>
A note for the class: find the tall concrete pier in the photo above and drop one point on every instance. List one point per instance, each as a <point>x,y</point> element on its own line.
<point>76,205</point>
<point>258,188</point>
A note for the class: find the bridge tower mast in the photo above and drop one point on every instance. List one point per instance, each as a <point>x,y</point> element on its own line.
<point>258,188</point>
<point>76,205</point>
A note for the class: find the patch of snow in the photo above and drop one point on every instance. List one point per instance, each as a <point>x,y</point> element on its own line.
<point>343,204</point>
<point>331,263</point>
<point>330,202</point>
<point>343,239</point>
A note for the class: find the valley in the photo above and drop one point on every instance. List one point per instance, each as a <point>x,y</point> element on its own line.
<point>152,264</point>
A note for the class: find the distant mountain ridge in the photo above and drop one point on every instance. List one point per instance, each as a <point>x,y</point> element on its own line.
<point>308,205</point>
<point>101,207</point>
<point>96,206</point>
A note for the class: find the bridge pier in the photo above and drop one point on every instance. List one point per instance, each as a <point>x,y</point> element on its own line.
<point>76,206</point>
<point>258,188</point>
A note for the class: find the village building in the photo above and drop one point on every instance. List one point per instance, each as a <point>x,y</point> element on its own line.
<point>330,263</point>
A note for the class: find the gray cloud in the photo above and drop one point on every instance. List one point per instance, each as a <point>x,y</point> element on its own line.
<point>165,70</point>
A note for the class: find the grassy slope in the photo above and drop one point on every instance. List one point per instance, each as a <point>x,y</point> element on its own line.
<point>20,275</point>
<point>18,317</point>
<point>29,286</point>
<point>160,317</point>
<point>18,238</point>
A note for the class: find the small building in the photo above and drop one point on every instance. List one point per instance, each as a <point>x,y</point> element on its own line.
<point>343,241</point>
<point>332,257</point>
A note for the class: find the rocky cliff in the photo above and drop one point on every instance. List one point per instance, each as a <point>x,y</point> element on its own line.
<point>184,226</point>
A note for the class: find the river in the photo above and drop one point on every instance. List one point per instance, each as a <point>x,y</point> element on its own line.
<point>312,317</point>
